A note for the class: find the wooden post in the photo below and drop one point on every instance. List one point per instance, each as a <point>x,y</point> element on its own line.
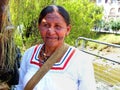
<point>3,12</point>
<point>7,47</point>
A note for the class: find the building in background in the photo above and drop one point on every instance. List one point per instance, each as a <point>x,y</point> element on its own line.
<point>111,8</point>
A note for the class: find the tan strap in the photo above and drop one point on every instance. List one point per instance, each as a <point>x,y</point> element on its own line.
<point>4,86</point>
<point>46,67</point>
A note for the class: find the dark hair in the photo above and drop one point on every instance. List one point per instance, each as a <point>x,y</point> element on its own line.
<point>50,9</point>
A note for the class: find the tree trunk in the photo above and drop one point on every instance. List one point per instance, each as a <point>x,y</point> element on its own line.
<point>7,47</point>
<point>3,12</point>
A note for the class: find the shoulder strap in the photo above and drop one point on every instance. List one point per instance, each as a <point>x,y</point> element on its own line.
<point>46,67</point>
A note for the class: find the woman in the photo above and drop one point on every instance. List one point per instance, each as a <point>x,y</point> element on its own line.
<point>72,69</point>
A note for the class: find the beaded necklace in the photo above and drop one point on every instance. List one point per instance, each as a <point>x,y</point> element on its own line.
<point>43,54</point>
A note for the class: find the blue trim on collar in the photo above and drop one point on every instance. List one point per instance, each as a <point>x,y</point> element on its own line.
<point>59,63</point>
<point>56,64</point>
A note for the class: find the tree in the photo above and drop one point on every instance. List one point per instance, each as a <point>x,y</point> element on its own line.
<point>25,13</point>
<point>7,45</point>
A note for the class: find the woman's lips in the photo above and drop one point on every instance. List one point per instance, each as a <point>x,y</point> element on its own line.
<point>52,37</point>
<point>58,38</point>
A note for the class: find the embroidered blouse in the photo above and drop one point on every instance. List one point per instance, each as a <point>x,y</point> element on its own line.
<point>73,72</point>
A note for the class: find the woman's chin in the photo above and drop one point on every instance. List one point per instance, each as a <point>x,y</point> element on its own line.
<point>51,44</point>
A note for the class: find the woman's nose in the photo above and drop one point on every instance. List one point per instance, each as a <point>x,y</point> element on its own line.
<point>51,30</point>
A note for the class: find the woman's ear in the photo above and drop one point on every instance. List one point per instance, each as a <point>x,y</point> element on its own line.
<point>68,30</point>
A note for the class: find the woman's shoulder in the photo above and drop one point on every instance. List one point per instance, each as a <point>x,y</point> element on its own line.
<point>82,54</point>
<point>32,48</point>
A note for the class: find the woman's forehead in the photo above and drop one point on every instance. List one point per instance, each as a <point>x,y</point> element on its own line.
<point>53,15</point>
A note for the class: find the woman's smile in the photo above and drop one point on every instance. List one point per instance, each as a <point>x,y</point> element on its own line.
<point>51,37</point>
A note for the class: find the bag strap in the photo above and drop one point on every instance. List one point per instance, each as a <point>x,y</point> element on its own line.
<point>46,67</point>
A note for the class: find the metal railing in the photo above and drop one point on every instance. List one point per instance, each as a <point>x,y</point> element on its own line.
<point>96,41</point>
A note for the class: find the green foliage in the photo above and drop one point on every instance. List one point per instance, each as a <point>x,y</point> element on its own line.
<point>25,11</point>
<point>18,39</point>
<point>112,24</point>
<point>115,25</point>
<point>84,15</point>
<point>106,26</point>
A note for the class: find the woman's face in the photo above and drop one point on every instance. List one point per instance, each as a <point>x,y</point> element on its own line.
<point>53,29</point>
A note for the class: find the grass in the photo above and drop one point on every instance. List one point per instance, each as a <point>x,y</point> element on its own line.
<point>109,38</point>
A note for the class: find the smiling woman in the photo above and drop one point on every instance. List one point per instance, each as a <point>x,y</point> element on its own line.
<point>54,65</point>
<point>53,30</point>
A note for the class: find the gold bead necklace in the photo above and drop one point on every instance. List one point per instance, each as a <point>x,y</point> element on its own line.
<point>43,55</point>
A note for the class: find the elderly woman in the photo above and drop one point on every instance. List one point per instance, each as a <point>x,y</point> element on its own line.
<point>55,65</point>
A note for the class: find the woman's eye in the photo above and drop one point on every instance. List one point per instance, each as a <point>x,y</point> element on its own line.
<point>58,27</point>
<point>46,25</point>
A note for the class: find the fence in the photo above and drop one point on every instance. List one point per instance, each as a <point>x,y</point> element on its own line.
<point>103,72</point>
<point>96,41</point>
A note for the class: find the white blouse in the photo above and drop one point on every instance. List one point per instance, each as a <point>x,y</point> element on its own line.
<point>73,72</point>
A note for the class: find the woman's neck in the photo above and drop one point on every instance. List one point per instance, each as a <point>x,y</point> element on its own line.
<point>50,50</point>
<point>47,51</point>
